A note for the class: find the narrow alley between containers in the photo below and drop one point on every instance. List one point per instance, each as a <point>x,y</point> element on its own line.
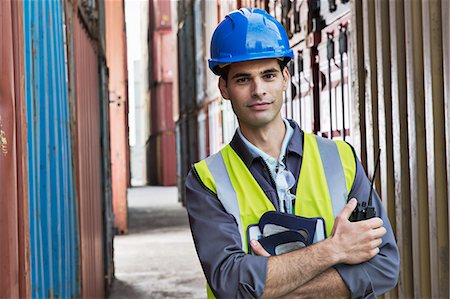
<point>156,258</point>
<point>105,105</point>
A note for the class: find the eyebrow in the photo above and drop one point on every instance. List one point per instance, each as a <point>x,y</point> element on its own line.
<point>265,72</point>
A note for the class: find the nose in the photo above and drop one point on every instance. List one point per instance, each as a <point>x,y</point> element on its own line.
<point>258,88</point>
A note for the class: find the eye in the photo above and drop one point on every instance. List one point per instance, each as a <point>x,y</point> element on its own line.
<point>269,76</point>
<point>242,80</point>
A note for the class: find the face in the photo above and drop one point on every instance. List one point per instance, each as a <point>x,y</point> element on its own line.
<point>255,89</point>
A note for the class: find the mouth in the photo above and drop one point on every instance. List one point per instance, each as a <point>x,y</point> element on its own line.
<point>259,106</point>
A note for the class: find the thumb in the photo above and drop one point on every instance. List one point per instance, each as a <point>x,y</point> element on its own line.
<point>258,249</point>
<point>348,209</point>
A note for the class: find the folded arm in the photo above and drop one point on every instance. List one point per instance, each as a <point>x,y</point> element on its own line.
<point>350,243</point>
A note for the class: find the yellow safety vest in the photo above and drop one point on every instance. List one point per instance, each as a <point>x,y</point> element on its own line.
<point>326,177</point>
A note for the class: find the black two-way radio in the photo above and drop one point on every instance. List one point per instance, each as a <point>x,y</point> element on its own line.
<point>365,210</point>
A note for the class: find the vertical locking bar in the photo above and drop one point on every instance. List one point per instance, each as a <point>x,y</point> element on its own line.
<point>342,49</point>
<point>330,56</point>
<point>300,71</point>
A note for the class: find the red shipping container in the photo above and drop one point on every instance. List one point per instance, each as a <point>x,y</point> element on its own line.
<point>116,60</point>
<point>162,108</point>
<point>14,224</point>
<point>166,158</point>
<point>88,160</point>
<point>161,15</point>
<point>163,56</point>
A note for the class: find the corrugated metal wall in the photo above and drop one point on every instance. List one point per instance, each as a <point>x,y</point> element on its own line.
<point>116,61</point>
<point>108,215</point>
<point>9,156</point>
<point>88,159</point>
<point>162,170</point>
<point>21,149</point>
<point>56,94</point>
<point>401,75</point>
<point>375,73</point>
<point>54,255</point>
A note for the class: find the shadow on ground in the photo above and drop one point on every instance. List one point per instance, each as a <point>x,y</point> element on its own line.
<point>122,289</point>
<point>147,219</point>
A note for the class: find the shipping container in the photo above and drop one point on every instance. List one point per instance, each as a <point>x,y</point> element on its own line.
<point>372,72</point>
<point>87,156</point>
<point>116,61</point>
<point>21,149</point>
<point>107,208</point>
<point>12,255</point>
<point>400,62</point>
<point>54,238</point>
<point>47,141</point>
<point>85,31</point>
<point>162,170</point>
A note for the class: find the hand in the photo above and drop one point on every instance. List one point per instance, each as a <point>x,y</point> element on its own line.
<point>258,249</point>
<point>356,242</point>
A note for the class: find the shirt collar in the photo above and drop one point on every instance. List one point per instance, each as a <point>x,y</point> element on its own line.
<point>295,145</point>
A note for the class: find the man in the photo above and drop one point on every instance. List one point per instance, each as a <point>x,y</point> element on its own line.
<point>230,190</point>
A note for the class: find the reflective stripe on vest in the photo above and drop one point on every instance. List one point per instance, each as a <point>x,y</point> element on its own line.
<point>326,176</point>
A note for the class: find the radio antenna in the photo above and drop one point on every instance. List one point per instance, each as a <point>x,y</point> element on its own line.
<point>369,201</point>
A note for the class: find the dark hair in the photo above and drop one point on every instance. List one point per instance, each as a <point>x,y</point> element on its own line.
<point>226,69</point>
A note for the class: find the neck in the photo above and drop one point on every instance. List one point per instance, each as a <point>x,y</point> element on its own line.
<point>268,138</point>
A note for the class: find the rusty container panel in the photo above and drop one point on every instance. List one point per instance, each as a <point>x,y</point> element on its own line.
<point>162,129</point>
<point>108,215</point>
<point>186,58</point>
<point>162,18</point>
<point>21,149</point>
<point>88,161</point>
<point>162,108</point>
<point>116,60</point>
<point>9,259</point>
<point>405,96</point>
<point>164,56</point>
<point>166,154</point>
<point>162,145</point>
<point>54,252</point>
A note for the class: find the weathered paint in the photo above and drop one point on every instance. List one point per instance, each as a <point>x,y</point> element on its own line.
<point>9,259</point>
<point>108,215</point>
<point>54,252</point>
<point>116,60</point>
<point>21,149</point>
<point>88,160</point>
<point>162,128</point>
<point>411,126</point>
<point>397,74</point>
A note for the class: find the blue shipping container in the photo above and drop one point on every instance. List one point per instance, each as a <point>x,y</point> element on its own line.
<point>54,249</point>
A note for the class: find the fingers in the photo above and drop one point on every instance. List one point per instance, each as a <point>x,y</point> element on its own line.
<point>378,232</point>
<point>258,249</point>
<point>376,243</point>
<point>372,223</point>
<point>348,209</point>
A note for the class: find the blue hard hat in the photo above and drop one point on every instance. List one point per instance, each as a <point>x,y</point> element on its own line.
<point>248,34</point>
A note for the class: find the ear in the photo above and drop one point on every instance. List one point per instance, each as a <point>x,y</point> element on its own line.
<point>223,88</point>
<point>286,76</point>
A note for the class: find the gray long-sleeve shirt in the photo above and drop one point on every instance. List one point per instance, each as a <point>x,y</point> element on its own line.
<point>231,273</point>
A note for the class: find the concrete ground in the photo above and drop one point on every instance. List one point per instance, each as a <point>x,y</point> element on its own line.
<point>157,258</point>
